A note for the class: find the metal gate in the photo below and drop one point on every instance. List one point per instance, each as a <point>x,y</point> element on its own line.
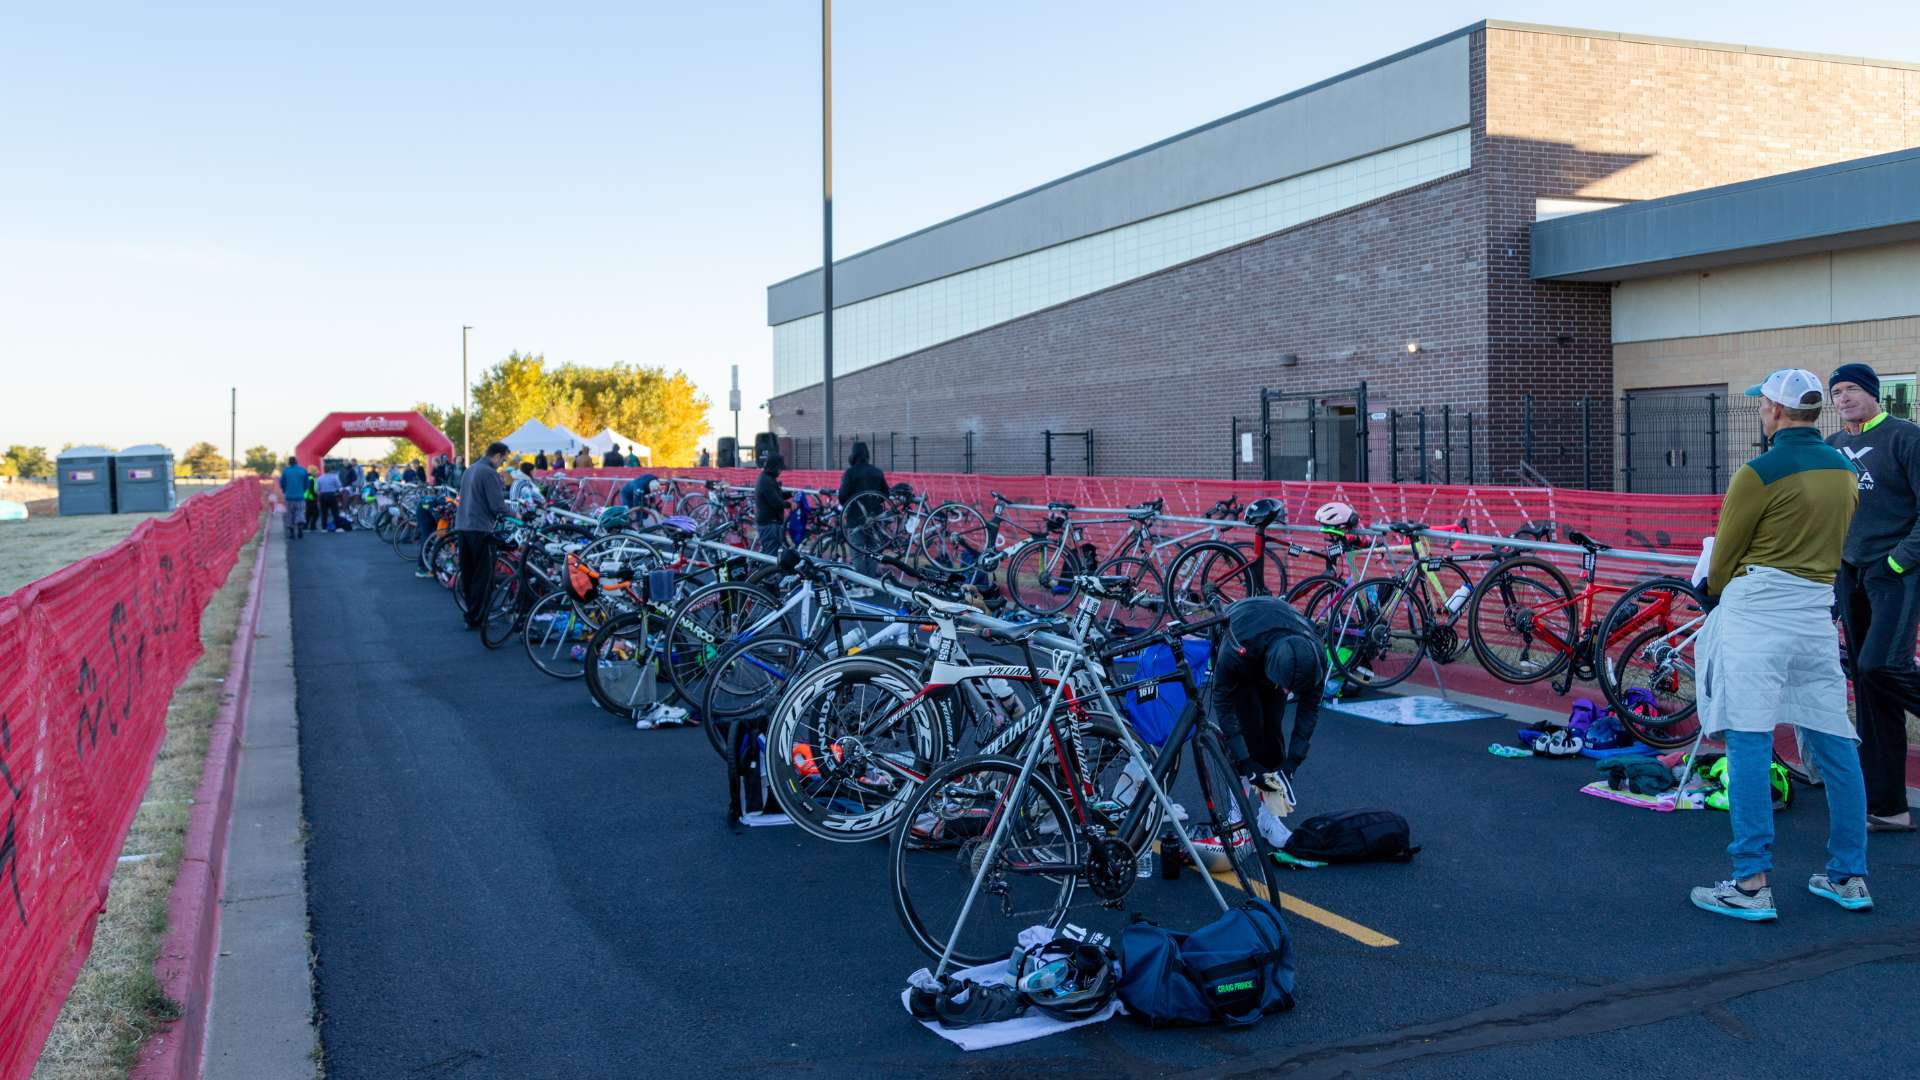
<point>1315,435</point>
<point>1675,441</point>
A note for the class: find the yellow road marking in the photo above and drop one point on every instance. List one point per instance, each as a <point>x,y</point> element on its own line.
<point>1339,924</point>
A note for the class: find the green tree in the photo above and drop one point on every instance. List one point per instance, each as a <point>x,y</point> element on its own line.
<point>30,462</point>
<point>261,461</point>
<point>204,459</point>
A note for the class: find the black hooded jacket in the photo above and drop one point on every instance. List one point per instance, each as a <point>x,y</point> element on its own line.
<point>861,476</point>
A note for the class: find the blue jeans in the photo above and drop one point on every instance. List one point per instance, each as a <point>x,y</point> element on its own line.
<point>1750,801</point>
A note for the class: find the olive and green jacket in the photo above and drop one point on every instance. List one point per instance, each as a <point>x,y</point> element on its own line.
<point>1788,509</point>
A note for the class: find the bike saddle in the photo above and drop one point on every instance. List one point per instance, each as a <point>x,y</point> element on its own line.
<point>1059,506</point>
<point>1407,527</point>
<point>1542,530</point>
<point>1143,513</point>
<point>1588,542</point>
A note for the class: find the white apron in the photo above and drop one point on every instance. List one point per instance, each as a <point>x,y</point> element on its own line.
<point>1769,655</point>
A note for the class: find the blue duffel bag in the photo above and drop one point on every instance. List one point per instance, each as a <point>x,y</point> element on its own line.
<point>1232,971</point>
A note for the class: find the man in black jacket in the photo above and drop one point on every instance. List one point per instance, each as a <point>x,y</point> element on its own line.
<point>770,507</point>
<point>1878,589</point>
<point>861,477</point>
<point>1269,653</point>
<point>613,458</point>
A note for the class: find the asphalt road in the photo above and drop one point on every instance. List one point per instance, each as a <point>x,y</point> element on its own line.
<point>505,882</point>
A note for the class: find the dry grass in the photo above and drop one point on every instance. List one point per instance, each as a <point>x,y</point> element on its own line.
<point>36,547</point>
<point>117,1003</point>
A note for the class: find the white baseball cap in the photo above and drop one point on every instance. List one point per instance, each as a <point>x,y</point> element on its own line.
<point>1796,388</point>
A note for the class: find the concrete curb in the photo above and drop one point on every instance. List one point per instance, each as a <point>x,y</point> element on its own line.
<point>185,964</point>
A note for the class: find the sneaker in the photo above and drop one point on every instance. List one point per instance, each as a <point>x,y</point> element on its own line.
<point>666,716</point>
<point>423,573</point>
<point>1727,899</point>
<point>1850,894</point>
<point>645,723</point>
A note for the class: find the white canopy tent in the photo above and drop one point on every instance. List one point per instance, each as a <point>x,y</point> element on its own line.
<point>533,437</point>
<point>609,438</point>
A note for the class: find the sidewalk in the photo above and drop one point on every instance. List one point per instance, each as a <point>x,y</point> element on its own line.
<point>260,1023</point>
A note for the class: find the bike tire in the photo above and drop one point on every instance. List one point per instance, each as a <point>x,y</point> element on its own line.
<point>1365,630</point>
<point>952,535</point>
<point>1144,609</point>
<point>748,680</point>
<point>554,628</point>
<point>930,879</point>
<point>1233,817</point>
<point>1517,595</point>
<point>1646,616</point>
<point>816,713</point>
<point>706,623</point>
<point>502,617</point>
<point>1205,579</point>
<point>1040,577</point>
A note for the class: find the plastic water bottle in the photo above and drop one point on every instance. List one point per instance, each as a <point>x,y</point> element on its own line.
<point>1458,599</point>
<point>1145,865</point>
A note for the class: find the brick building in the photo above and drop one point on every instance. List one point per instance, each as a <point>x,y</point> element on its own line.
<point>1216,301</point>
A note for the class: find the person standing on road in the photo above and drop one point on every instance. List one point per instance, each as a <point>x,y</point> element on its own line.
<point>1768,654</point>
<point>706,459</point>
<point>293,487</point>
<point>612,458</point>
<point>482,503</point>
<point>1269,654</point>
<point>862,476</point>
<point>328,487</point>
<point>770,507</point>
<point>1878,593</point>
<point>540,461</point>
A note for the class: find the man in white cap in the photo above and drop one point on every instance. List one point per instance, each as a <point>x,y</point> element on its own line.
<point>1769,654</point>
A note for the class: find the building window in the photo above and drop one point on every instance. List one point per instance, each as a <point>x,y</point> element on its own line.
<point>878,329</point>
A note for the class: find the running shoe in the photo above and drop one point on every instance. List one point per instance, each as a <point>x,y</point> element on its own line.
<point>1850,893</point>
<point>1726,898</point>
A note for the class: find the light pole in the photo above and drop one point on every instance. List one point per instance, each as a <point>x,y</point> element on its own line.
<point>466,448</point>
<point>826,217</point>
<point>733,400</point>
<point>233,429</point>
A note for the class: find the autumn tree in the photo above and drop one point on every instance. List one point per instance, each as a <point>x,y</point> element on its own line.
<point>204,459</point>
<point>28,462</point>
<point>261,461</point>
<point>662,410</point>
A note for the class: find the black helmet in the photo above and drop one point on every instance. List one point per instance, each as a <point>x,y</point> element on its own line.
<point>1265,512</point>
<point>902,488</point>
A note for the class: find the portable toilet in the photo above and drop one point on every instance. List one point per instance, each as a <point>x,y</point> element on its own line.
<point>143,479</point>
<point>86,480</point>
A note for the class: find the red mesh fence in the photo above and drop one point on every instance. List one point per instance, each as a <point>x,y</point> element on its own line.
<point>92,654</point>
<point>1654,524</point>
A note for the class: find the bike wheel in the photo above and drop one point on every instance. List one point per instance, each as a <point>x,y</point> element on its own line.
<point>1646,664</point>
<point>1205,578</point>
<point>502,617</point>
<point>1234,820</point>
<point>748,680</point>
<point>940,847</point>
<point>622,664</point>
<point>556,636</point>
<point>1520,621</point>
<point>875,526</point>
<point>707,623</point>
<point>1040,577</point>
<point>1273,573</point>
<point>1143,609</point>
<point>1377,632</point>
<point>952,536</point>
<point>847,746</point>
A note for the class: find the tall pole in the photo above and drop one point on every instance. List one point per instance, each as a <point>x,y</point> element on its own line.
<point>233,428</point>
<point>466,448</point>
<point>826,213</point>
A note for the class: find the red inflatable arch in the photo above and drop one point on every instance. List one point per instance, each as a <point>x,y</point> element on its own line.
<point>410,426</point>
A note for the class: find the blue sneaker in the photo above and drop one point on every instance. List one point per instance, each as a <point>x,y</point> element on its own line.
<point>1850,894</point>
<point>1727,899</point>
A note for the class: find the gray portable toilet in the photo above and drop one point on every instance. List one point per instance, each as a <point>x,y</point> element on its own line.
<point>86,480</point>
<point>143,479</point>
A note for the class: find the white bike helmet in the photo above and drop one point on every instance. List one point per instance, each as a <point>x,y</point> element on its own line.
<point>1336,515</point>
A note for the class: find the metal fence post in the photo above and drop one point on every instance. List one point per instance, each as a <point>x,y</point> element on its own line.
<point>969,453</point>
<point>1363,433</point>
<point>1266,436</point>
<point>1446,443</point>
<point>1713,443</point>
<point>1393,445</point>
<point>1626,442</point>
<point>1048,436</point>
<point>1089,452</point>
<point>1469,448</point>
<point>1586,443</point>
<point>913,446</point>
<point>1233,457</point>
<point>1422,414</point>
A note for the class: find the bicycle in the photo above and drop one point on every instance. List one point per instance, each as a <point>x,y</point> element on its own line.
<point>1526,623</point>
<point>1209,576</point>
<point>991,844</point>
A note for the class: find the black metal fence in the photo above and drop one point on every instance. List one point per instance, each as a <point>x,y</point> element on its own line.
<point>1436,446</point>
<point>1691,443</point>
<point>1067,453</point>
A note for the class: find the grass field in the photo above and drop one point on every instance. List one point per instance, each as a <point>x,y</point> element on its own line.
<point>38,546</point>
<point>116,1002</point>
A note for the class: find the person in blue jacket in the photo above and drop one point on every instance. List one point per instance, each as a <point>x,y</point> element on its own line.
<point>293,486</point>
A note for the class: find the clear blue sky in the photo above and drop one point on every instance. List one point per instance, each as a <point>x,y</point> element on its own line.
<point>308,206</point>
